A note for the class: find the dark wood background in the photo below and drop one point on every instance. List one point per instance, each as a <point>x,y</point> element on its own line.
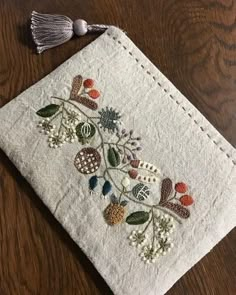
<point>194,44</point>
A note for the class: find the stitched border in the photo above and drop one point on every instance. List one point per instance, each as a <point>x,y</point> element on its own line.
<point>173,98</point>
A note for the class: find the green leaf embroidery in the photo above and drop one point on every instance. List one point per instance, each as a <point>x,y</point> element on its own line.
<point>48,111</point>
<point>85,131</point>
<point>138,217</point>
<point>124,203</point>
<point>113,157</point>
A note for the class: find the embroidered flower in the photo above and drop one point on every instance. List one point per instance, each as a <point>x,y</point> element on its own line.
<point>70,134</point>
<point>45,126</point>
<point>56,140</point>
<point>72,117</point>
<point>137,238</point>
<point>149,254</point>
<point>164,225</point>
<point>109,119</point>
<point>164,246</point>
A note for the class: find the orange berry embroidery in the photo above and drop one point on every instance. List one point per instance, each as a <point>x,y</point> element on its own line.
<point>88,83</point>
<point>186,200</point>
<point>181,187</point>
<point>93,93</point>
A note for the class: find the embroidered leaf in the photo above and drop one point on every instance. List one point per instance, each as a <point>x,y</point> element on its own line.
<point>124,203</point>
<point>106,188</point>
<point>177,209</point>
<point>141,191</point>
<point>76,85</point>
<point>92,105</point>
<point>166,189</point>
<point>48,111</point>
<point>113,199</point>
<point>85,131</point>
<point>113,157</point>
<point>138,217</point>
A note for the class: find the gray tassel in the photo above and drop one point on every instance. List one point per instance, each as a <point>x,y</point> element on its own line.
<point>49,30</point>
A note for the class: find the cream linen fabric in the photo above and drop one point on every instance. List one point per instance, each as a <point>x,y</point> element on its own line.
<point>176,137</point>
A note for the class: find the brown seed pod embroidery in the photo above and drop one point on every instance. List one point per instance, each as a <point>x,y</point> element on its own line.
<point>177,209</point>
<point>166,189</point>
<point>87,160</point>
<point>134,174</point>
<point>145,166</point>
<point>76,86</point>
<point>92,105</point>
<point>114,213</point>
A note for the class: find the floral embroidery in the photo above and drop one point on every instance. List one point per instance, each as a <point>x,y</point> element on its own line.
<point>67,122</point>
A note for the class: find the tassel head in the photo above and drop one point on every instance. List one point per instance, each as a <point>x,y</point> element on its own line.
<point>80,27</point>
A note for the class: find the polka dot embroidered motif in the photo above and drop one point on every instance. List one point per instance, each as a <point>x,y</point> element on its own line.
<point>87,160</point>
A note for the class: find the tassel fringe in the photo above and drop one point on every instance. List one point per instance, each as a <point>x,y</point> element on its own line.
<point>49,30</point>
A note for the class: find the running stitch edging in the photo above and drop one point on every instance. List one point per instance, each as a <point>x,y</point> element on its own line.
<point>172,97</point>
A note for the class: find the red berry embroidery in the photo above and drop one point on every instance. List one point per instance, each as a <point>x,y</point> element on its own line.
<point>88,83</point>
<point>133,173</point>
<point>94,93</point>
<point>186,200</point>
<point>181,187</point>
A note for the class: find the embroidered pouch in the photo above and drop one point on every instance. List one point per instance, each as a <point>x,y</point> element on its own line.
<point>137,176</point>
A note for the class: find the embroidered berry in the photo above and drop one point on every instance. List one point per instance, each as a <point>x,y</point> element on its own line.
<point>135,163</point>
<point>114,213</point>
<point>181,187</point>
<point>87,160</point>
<point>133,173</point>
<point>94,94</point>
<point>88,83</point>
<point>186,200</point>
<point>140,191</point>
<point>93,181</point>
<point>125,182</point>
<point>106,188</point>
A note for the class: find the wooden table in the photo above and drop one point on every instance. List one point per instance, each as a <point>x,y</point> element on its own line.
<point>194,44</point>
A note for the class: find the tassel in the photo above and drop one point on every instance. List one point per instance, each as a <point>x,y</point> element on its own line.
<point>49,30</point>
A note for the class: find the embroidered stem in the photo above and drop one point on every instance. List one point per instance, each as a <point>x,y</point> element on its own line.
<point>55,116</point>
<point>153,230</point>
<point>149,222</point>
<point>107,169</point>
<point>63,107</point>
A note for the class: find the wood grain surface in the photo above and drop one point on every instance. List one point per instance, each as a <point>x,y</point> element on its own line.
<point>194,44</point>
